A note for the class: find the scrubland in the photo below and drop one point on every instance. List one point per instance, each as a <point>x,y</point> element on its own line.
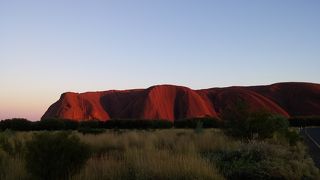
<point>159,154</point>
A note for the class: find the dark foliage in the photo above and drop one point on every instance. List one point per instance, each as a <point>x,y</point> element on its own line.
<point>17,124</point>
<point>70,125</point>
<point>55,155</point>
<point>92,124</point>
<point>265,124</point>
<point>262,161</point>
<point>138,124</point>
<point>292,137</point>
<point>50,125</point>
<point>240,122</point>
<point>304,121</point>
<point>193,123</point>
<point>87,130</point>
<point>241,164</point>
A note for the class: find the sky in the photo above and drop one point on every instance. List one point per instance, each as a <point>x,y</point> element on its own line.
<point>50,47</point>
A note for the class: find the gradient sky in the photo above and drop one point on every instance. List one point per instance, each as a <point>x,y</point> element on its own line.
<point>49,47</point>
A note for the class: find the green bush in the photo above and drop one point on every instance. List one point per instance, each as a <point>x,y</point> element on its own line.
<point>240,122</point>
<point>199,127</point>
<point>17,124</point>
<point>257,125</point>
<point>94,131</point>
<point>70,124</point>
<point>92,124</point>
<point>292,137</point>
<point>207,122</point>
<point>240,164</point>
<point>264,125</point>
<point>137,124</point>
<point>55,155</point>
<point>50,125</point>
<point>264,161</point>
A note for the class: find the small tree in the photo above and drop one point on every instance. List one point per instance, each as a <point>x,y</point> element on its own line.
<point>243,123</point>
<point>16,124</point>
<point>265,124</point>
<point>55,155</point>
<point>70,124</point>
<point>199,127</point>
<point>51,124</point>
<point>235,117</point>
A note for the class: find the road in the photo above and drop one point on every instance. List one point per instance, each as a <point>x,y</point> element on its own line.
<point>312,139</point>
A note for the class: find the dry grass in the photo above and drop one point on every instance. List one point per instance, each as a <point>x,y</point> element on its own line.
<point>14,169</point>
<point>178,140</point>
<point>164,154</point>
<point>139,164</point>
<point>12,147</point>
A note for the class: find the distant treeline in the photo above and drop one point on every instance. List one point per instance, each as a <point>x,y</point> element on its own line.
<point>19,124</point>
<point>65,124</point>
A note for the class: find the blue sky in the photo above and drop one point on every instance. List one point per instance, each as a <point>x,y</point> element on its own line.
<point>49,47</point>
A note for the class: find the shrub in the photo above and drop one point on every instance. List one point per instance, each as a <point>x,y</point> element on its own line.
<point>243,123</point>
<point>70,124</point>
<point>240,164</point>
<point>55,155</point>
<point>17,124</point>
<point>264,161</point>
<point>50,125</point>
<point>192,123</point>
<point>161,124</point>
<point>265,124</point>
<point>92,124</point>
<point>94,131</point>
<point>292,137</point>
<point>138,124</point>
<point>199,127</point>
<point>257,125</point>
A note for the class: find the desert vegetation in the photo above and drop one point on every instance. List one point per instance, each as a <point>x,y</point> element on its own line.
<point>150,154</point>
<point>248,145</point>
<point>20,124</point>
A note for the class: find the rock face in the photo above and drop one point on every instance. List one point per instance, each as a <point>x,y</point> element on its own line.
<point>170,102</point>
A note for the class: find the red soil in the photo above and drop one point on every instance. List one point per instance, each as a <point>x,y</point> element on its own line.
<point>175,102</point>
